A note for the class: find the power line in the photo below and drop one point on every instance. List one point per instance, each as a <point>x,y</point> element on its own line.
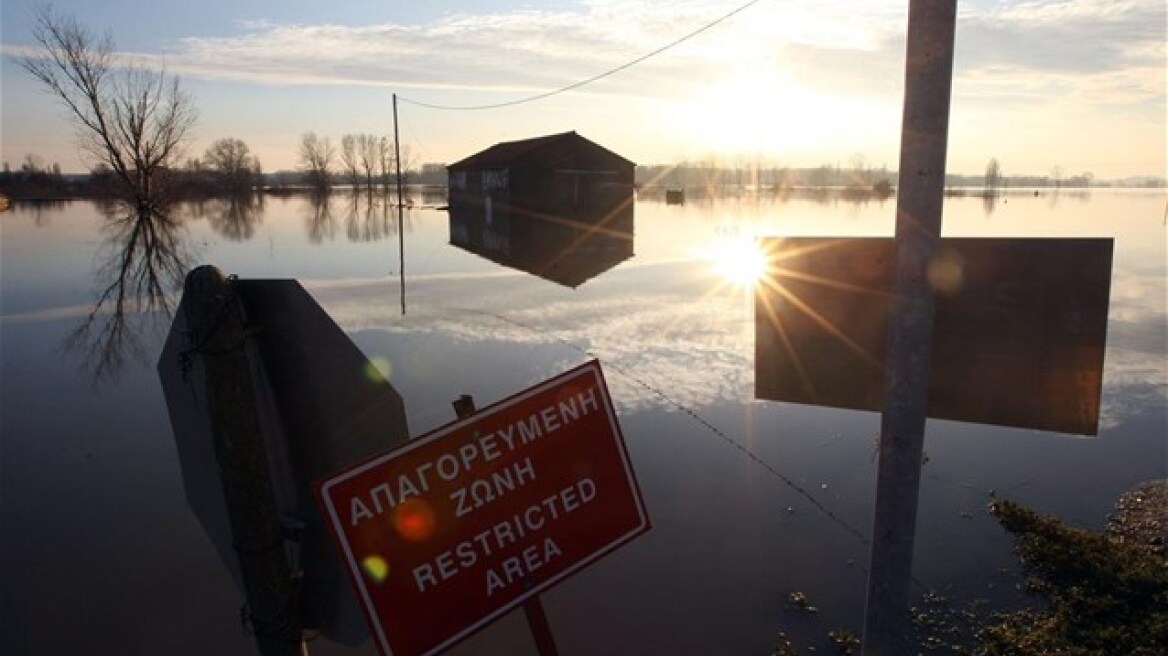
<point>594,78</point>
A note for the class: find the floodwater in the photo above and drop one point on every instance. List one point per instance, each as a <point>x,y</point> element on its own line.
<point>750,500</point>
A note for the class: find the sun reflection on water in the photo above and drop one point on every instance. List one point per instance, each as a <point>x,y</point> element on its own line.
<point>738,260</point>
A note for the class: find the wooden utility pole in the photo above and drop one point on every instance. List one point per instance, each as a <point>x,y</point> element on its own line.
<point>401,235</point>
<point>920,195</point>
<point>216,328</point>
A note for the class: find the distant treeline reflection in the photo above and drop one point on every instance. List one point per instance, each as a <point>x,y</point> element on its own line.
<point>702,195</point>
<point>146,252</point>
<point>35,181</point>
<point>358,215</point>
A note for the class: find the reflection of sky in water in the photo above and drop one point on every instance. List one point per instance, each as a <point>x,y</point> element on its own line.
<point>90,484</point>
<point>698,349</point>
<point>698,341</point>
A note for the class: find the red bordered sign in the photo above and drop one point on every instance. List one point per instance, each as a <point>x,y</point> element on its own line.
<point>454,529</point>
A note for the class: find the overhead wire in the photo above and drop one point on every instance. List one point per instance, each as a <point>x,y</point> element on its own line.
<point>600,76</point>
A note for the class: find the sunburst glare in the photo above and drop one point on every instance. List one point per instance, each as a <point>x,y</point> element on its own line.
<point>739,260</point>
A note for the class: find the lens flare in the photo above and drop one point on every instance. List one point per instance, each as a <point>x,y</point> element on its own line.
<point>414,519</point>
<point>375,568</point>
<point>378,369</point>
<point>946,272</point>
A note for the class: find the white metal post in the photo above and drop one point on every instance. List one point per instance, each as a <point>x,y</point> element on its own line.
<point>920,194</point>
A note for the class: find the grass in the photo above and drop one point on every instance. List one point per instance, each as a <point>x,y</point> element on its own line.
<point>1103,596</point>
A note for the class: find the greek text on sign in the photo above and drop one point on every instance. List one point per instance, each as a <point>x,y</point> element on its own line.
<point>451,531</point>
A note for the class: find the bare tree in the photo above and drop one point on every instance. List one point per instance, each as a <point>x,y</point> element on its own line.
<point>233,164</point>
<point>131,119</point>
<point>349,157</point>
<point>860,171</point>
<point>367,152</point>
<point>993,177</point>
<point>407,162</point>
<point>385,159</point>
<point>316,156</point>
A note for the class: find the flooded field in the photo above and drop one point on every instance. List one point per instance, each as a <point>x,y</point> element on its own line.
<point>750,500</point>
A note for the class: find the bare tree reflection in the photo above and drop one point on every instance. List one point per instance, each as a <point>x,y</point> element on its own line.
<point>369,217</point>
<point>43,210</point>
<point>319,220</point>
<point>989,202</point>
<point>236,217</point>
<point>707,197</point>
<point>143,258</point>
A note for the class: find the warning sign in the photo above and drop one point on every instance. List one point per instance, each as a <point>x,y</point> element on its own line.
<point>451,531</point>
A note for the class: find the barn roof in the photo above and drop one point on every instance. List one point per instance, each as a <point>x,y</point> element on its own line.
<point>502,154</point>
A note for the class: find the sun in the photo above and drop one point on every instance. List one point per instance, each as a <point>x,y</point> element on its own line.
<point>737,260</point>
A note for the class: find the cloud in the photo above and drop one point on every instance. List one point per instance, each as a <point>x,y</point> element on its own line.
<point>833,68</point>
<point>516,51</point>
<point>672,347</point>
<point>531,51</point>
<point>1111,51</point>
<point>695,351</point>
<point>1099,51</point>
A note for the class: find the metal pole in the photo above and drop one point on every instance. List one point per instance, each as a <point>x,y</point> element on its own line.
<point>920,194</point>
<point>214,319</point>
<point>541,631</point>
<point>401,237</point>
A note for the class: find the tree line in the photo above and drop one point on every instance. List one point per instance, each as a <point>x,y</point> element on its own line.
<point>134,122</point>
<point>229,168</point>
<point>363,160</point>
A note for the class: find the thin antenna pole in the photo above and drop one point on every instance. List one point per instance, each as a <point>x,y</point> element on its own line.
<point>401,236</point>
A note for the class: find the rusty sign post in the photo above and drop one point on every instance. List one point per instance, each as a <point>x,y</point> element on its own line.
<point>449,532</point>
<point>401,234</point>
<point>920,194</point>
<point>541,631</point>
<point>226,424</point>
<point>266,394</point>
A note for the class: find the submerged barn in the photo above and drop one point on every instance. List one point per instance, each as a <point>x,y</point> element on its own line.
<point>559,206</point>
<point>562,175</point>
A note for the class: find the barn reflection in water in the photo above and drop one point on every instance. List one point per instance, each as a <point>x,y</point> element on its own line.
<point>562,251</point>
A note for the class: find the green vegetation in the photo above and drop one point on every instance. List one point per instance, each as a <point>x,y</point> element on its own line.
<point>1100,593</point>
<point>1106,595</point>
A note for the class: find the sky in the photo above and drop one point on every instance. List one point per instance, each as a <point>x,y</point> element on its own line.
<point>1069,85</point>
